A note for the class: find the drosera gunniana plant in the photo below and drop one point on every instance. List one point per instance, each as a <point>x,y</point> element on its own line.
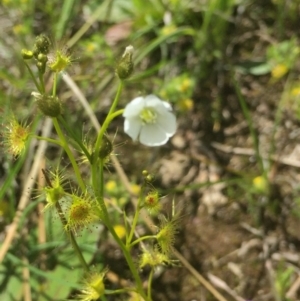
<point>148,120</point>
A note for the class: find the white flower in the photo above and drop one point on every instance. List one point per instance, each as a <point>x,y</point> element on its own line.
<point>150,120</point>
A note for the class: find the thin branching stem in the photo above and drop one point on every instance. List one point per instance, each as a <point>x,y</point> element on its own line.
<point>141,239</point>
<point>150,283</point>
<point>136,217</point>
<point>66,147</point>
<point>33,78</point>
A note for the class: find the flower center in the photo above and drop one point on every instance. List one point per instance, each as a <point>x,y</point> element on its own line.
<point>148,115</point>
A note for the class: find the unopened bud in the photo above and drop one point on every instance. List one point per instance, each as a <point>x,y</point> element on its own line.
<point>42,58</point>
<point>41,66</point>
<point>26,54</point>
<point>49,105</point>
<point>149,178</point>
<point>125,66</point>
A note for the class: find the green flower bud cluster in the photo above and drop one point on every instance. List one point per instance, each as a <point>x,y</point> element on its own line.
<point>40,50</point>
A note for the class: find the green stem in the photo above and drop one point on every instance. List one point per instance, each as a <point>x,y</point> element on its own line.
<point>100,192</point>
<point>64,142</point>
<point>116,100</point>
<point>130,262</point>
<point>41,77</point>
<point>54,84</point>
<point>65,146</point>
<point>150,284</point>
<point>108,117</point>
<point>33,78</point>
<point>141,239</point>
<point>53,141</point>
<point>135,218</point>
<point>97,174</point>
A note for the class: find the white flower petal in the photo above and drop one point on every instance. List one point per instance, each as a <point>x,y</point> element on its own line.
<point>152,100</point>
<point>167,105</point>
<point>132,127</point>
<point>167,123</point>
<point>153,135</point>
<point>134,107</point>
<point>155,102</point>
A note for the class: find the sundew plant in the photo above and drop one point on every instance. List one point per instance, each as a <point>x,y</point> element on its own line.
<point>81,203</point>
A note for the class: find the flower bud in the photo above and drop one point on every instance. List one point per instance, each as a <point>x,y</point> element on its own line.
<point>145,172</point>
<point>42,58</point>
<point>26,54</point>
<point>41,66</point>
<point>149,178</point>
<point>125,66</point>
<point>48,105</point>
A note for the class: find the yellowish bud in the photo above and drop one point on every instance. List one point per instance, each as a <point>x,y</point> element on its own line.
<point>42,58</point>
<point>145,172</point>
<point>27,54</point>
<point>149,178</point>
